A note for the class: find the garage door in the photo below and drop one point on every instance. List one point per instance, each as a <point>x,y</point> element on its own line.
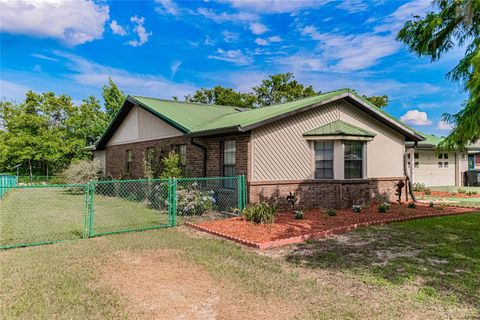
<point>434,169</point>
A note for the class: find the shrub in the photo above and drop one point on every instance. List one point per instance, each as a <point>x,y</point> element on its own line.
<point>81,172</point>
<point>357,208</point>
<point>428,191</point>
<point>417,186</point>
<point>471,193</point>
<point>331,212</point>
<point>259,213</point>
<point>412,205</point>
<point>384,207</point>
<point>462,191</point>
<point>194,202</point>
<point>431,204</point>
<point>172,166</point>
<point>298,214</point>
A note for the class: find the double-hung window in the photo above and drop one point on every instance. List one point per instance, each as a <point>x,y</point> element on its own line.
<point>129,161</point>
<point>353,160</point>
<point>229,161</point>
<point>181,150</point>
<point>323,159</point>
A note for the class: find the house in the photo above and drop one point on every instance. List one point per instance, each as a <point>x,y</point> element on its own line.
<point>434,166</point>
<point>333,150</point>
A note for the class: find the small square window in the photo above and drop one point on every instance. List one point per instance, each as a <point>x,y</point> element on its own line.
<point>417,164</point>
<point>440,156</point>
<point>445,164</point>
<point>440,164</point>
<point>416,155</point>
<point>445,156</point>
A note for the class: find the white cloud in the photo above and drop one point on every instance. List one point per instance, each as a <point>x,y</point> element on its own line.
<point>167,7</point>
<point>351,52</point>
<point>275,39</point>
<point>174,67</point>
<point>227,17</point>
<point>261,42</point>
<point>74,22</point>
<point>234,56</point>
<point>353,6</point>
<point>44,57</point>
<point>140,30</point>
<point>12,91</point>
<point>258,28</point>
<point>444,126</point>
<point>229,36</point>
<point>93,75</point>
<point>416,117</point>
<point>396,20</point>
<point>276,6</point>
<point>117,29</point>
<point>208,41</point>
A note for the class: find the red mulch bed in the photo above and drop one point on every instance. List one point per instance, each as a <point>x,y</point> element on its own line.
<point>315,221</point>
<point>446,194</point>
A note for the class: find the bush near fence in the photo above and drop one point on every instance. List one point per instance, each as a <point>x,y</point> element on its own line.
<point>39,214</point>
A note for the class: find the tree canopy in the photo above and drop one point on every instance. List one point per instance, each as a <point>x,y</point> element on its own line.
<point>113,98</point>
<point>455,23</point>
<point>279,88</point>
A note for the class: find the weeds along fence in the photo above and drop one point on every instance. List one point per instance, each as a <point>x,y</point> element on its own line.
<point>42,214</point>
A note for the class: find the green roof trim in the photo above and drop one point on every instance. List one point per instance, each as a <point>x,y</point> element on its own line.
<point>339,128</point>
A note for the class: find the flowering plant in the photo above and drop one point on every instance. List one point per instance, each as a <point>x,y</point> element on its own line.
<point>356,208</point>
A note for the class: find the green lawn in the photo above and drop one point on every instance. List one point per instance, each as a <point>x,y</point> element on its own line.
<point>423,269</point>
<point>30,215</point>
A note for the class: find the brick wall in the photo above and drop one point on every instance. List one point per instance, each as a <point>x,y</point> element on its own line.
<point>325,194</point>
<point>116,165</point>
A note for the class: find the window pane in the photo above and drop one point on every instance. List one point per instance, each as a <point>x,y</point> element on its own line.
<point>353,162</point>
<point>323,159</point>
<point>229,152</point>
<point>440,155</point>
<point>440,165</point>
<point>445,156</point>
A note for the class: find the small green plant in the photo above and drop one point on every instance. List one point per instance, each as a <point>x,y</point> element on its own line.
<point>428,191</point>
<point>259,213</point>
<point>298,214</point>
<point>331,212</point>
<point>431,204</point>
<point>384,207</point>
<point>462,191</point>
<point>419,187</point>
<point>357,208</point>
<point>172,166</point>
<point>471,193</point>
<point>412,205</point>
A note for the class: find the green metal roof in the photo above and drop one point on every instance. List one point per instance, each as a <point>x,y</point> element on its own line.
<point>339,128</point>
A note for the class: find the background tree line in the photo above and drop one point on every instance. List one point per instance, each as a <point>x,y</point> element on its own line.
<point>46,132</point>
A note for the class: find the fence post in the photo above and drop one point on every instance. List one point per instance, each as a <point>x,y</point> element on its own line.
<point>91,211</point>
<point>86,210</point>
<point>240,193</point>
<point>174,202</point>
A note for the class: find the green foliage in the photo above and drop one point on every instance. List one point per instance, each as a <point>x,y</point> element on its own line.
<point>113,98</point>
<point>455,23</point>
<point>384,207</point>
<point>462,191</point>
<point>356,208</point>
<point>378,101</point>
<point>193,201</point>
<point>428,191</point>
<point>471,193</point>
<point>298,214</point>
<point>331,212</point>
<point>417,186</point>
<point>281,88</point>
<point>81,172</point>
<point>412,205</point>
<point>171,166</point>
<point>259,213</point>
<point>431,204</point>
<point>222,96</point>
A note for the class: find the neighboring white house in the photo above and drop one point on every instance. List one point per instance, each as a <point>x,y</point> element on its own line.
<point>436,167</point>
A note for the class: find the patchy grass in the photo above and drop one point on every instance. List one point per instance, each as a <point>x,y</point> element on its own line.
<point>103,278</point>
<point>29,215</point>
<point>440,256</point>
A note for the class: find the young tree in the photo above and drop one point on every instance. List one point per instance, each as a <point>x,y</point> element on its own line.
<point>171,166</point>
<point>113,98</point>
<point>456,23</point>
<point>281,88</point>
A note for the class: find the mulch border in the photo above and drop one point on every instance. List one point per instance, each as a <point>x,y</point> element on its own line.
<point>320,234</point>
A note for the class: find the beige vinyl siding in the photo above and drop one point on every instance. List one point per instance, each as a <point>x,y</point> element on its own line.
<point>280,152</point>
<point>141,125</point>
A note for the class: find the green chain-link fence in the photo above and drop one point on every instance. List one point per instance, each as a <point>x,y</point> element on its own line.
<point>40,214</point>
<point>6,181</point>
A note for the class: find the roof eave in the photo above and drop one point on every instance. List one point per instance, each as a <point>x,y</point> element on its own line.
<point>213,132</point>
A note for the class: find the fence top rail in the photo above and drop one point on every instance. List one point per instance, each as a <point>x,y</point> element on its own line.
<point>44,186</point>
<point>207,178</point>
<point>130,180</point>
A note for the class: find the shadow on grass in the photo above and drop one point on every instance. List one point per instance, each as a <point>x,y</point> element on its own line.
<point>440,254</point>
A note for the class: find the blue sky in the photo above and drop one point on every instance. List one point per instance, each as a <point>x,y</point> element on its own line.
<point>171,48</point>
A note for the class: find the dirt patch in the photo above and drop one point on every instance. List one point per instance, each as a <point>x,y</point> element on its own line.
<point>285,226</point>
<point>163,285</point>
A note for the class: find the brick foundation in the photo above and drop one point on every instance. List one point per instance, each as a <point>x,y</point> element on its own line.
<point>325,194</point>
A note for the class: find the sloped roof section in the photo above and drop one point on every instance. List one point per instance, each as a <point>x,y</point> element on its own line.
<point>339,128</point>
